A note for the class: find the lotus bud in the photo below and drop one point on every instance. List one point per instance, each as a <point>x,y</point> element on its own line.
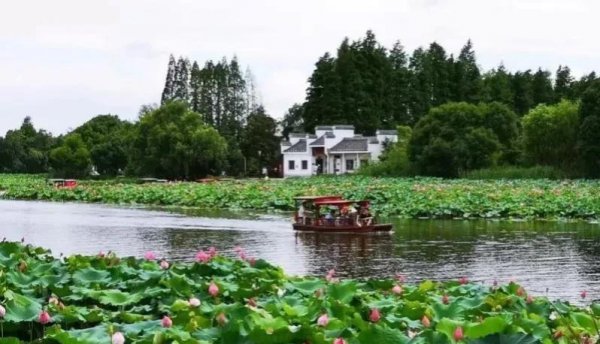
<point>251,302</point>
<point>339,340</point>
<point>323,320</point>
<point>557,334</point>
<point>194,302</point>
<point>53,300</point>
<point>463,280</point>
<point>397,289</point>
<point>213,289</point>
<point>458,334</point>
<point>521,291</point>
<point>166,322</point>
<point>583,294</point>
<point>102,255</point>
<point>44,318</point>
<point>529,299</point>
<point>118,338</point>
<point>212,251</point>
<point>425,321</point>
<point>2,312</point>
<point>164,265</point>
<point>375,315</point>
<point>221,319</point>
<point>445,299</point>
<point>203,257</point>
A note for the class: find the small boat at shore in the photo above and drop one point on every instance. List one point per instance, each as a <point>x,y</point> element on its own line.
<point>335,214</point>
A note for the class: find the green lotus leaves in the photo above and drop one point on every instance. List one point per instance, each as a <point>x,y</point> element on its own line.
<point>96,296</point>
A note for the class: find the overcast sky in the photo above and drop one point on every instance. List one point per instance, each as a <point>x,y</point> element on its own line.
<point>65,61</point>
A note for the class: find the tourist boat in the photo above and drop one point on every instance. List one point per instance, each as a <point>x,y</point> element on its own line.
<point>346,220</point>
<point>63,183</point>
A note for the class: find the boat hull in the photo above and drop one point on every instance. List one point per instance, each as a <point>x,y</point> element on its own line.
<point>346,229</point>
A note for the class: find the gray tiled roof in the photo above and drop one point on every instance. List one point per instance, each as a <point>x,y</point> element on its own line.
<point>297,134</point>
<point>299,147</point>
<point>351,145</point>
<point>323,127</point>
<point>373,139</point>
<point>387,132</point>
<point>318,142</point>
<point>286,143</point>
<point>343,126</point>
<point>329,135</point>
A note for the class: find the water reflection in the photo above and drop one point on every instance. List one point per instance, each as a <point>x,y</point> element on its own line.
<point>559,256</point>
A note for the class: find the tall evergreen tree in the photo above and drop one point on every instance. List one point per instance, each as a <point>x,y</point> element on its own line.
<point>497,86</point>
<point>589,130</point>
<point>399,88</point>
<point>181,83</point>
<point>195,88</point>
<point>563,84</point>
<point>541,85</point>
<point>522,92</point>
<point>168,91</point>
<point>467,82</point>
<point>323,98</point>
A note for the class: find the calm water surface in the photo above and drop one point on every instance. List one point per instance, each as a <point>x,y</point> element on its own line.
<point>559,259</point>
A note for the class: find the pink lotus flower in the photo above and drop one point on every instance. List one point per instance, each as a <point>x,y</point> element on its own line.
<point>529,299</point>
<point>583,294</point>
<point>458,334</point>
<point>203,257</point>
<point>44,318</point>
<point>164,265</point>
<point>463,280</point>
<point>445,299</point>
<point>339,340</point>
<point>323,320</point>
<point>101,254</point>
<point>2,312</point>
<point>330,277</point>
<point>397,290</point>
<point>222,319</point>
<point>166,322</point>
<point>149,255</point>
<point>213,289</point>
<point>425,321</point>
<point>118,338</point>
<point>194,302</point>
<point>375,315</point>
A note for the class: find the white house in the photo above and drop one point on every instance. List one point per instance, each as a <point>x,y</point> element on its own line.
<point>331,150</point>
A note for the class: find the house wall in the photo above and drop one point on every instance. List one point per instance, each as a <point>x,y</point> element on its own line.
<point>297,171</point>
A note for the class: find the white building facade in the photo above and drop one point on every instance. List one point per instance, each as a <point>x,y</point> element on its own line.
<point>332,150</point>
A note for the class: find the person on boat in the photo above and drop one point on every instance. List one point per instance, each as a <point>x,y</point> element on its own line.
<point>330,217</point>
<point>365,217</point>
<point>301,213</point>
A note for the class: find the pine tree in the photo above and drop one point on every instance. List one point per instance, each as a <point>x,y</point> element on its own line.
<point>182,80</point>
<point>323,99</point>
<point>419,85</point>
<point>497,86</point>
<point>399,92</point>
<point>541,85</point>
<point>521,84</point>
<point>195,88</point>
<point>467,82</point>
<point>168,91</point>
<point>563,85</point>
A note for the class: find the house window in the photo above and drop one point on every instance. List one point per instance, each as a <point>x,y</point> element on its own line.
<point>305,164</point>
<point>291,165</point>
<point>349,165</point>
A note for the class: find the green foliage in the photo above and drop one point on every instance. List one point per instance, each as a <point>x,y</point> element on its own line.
<point>260,145</point>
<point>394,161</point>
<point>71,159</point>
<point>173,142</point>
<point>542,126</point>
<point>404,197</point>
<point>25,150</point>
<point>516,172</point>
<point>107,138</point>
<point>257,303</point>
<point>457,137</point>
<point>589,130</point>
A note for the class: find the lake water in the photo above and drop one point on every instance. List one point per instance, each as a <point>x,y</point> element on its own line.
<point>557,259</point>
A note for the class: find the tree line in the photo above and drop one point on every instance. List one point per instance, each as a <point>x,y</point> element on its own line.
<point>454,116</point>
<point>209,122</point>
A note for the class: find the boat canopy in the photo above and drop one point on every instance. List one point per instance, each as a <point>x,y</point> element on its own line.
<point>317,198</point>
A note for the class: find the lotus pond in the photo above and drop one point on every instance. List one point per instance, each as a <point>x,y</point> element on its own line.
<point>404,197</point>
<point>104,298</point>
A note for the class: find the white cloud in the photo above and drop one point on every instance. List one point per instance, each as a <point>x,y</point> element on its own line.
<point>65,61</point>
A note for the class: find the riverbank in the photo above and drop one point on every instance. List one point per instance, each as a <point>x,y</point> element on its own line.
<point>403,197</point>
<point>89,299</point>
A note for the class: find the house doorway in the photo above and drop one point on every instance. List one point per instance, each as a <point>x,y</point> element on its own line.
<point>319,164</point>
